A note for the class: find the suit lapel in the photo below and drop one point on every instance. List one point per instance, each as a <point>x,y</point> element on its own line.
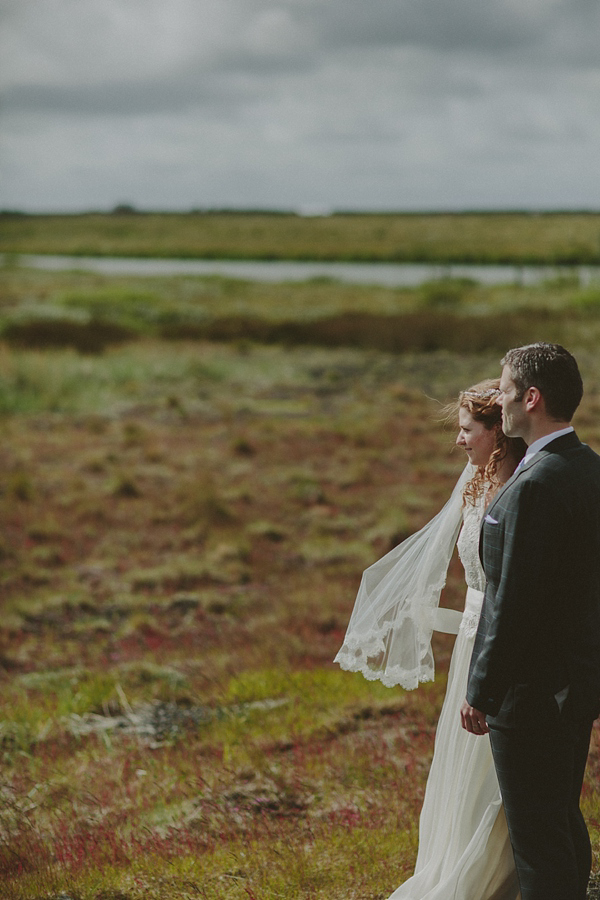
<point>565,442</point>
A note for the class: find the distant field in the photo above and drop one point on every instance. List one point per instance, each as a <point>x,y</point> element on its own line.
<point>91,312</point>
<point>552,238</point>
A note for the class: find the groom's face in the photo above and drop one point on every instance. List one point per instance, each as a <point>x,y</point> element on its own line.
<point>514,417</point>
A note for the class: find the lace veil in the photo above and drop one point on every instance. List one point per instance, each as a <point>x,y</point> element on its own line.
<point>389,633</point>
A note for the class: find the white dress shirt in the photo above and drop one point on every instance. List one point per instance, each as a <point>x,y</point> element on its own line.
<point>541,443</point>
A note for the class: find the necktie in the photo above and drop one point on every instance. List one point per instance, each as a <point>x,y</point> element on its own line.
<point>521,463</point>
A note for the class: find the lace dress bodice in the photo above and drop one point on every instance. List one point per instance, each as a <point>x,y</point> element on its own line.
<point>468,551</point>
<point>468,545</point>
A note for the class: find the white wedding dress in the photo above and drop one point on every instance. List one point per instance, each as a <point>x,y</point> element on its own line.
<point>464,848</point>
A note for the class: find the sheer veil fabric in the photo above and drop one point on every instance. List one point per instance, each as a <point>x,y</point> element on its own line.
<point>389,633</point>
<point>464,848</point>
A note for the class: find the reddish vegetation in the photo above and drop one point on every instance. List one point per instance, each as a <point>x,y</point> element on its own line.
<point>154,563</point>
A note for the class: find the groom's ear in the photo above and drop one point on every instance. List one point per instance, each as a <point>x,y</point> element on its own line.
<point>532,398</point>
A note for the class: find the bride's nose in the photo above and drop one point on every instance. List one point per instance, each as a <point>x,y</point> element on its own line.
<point>460,439</point>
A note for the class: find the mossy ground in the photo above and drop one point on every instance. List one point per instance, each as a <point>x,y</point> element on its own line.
<point>184,528</point>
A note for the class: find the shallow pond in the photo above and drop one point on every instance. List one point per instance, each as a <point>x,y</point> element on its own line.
<point>387,274</point>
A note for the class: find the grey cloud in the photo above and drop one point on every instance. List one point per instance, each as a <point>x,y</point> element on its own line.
<point>504,27</point>
<point>385,103</point>
<point>226,85</point>
<point>461,24</point>
<point>127,98</point>
<point>301,37</point>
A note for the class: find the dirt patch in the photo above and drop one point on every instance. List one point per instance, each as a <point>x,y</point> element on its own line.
<point>159,721</point>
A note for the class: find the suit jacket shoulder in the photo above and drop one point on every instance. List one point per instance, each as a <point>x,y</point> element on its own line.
<point>540,551</point>
<point>560,466</point>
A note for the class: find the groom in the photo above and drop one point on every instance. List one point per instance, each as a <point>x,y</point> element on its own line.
<point>534,682</point>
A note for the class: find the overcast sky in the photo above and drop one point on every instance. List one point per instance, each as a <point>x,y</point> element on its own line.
<point>300,104</point>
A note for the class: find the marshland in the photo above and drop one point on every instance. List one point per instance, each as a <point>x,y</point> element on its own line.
<point>195,472</point>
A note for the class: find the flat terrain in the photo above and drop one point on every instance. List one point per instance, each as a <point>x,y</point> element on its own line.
<point>550,238</point>
<point>184,524</point>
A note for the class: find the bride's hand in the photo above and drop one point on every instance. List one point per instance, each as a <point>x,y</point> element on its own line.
<point>473,720</point>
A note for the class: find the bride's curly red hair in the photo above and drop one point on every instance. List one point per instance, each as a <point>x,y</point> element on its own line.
<point>480,401</point>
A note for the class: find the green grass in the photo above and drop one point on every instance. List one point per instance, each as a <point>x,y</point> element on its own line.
<point>552,238</point>
<point>91,313</point>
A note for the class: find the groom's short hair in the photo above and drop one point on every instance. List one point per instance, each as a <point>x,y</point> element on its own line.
<point>553,371</point>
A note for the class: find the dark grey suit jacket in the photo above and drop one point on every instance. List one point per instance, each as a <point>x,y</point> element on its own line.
<point>540,548</point>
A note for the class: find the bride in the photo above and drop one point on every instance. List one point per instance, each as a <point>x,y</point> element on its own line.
<point>464,849</point>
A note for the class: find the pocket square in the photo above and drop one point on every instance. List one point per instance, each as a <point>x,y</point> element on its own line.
<point>490,520</point>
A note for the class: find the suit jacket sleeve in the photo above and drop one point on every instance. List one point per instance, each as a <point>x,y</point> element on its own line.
<point>524,563</point>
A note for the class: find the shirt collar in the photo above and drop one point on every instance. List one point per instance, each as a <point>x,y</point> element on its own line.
<point>541,442</point>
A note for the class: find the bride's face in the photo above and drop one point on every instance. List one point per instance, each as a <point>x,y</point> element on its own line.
<point>474,438</point>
